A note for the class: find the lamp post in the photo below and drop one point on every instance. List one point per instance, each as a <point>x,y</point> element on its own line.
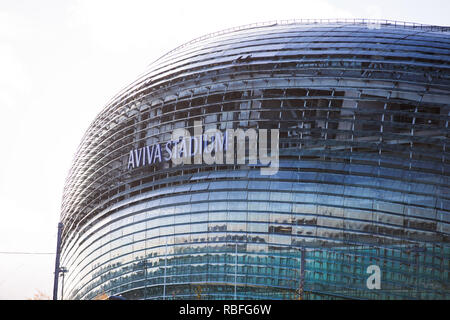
<point>62,272</point>
<point>57,269</point>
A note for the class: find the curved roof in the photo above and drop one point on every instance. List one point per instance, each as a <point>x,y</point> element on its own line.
<point>374,23</point>
<point>413,54</point>
<point>425,37</point>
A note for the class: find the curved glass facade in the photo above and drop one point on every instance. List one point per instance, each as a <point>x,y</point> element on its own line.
<point>362,111</point>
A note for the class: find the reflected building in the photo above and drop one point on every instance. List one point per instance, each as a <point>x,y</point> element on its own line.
<point>362,109</point>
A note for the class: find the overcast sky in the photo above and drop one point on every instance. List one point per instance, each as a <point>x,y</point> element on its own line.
<point>61,62</point>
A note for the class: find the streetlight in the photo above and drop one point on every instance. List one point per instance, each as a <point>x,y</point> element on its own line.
<point>62,271</point>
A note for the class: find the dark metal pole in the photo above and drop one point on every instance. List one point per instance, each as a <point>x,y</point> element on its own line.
<point>58,252</point>
<point>62,273</point>
<point>62,287</point>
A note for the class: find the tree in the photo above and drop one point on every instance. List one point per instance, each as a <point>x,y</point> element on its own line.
<point>39,295</point>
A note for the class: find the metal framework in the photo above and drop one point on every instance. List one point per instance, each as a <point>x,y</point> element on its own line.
<point>362,107</point>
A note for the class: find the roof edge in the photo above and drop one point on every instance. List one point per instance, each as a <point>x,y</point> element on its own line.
<point>373,23</point>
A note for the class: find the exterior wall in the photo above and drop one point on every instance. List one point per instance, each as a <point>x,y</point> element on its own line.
<point>364,171</point>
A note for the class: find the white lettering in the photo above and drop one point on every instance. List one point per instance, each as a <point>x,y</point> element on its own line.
<point>157,153</point>
<point>374,280</point>
<point>209,147</point>
<point>131,160</point>
<point>138,154</point>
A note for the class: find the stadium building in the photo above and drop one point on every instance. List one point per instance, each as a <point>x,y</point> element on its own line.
<point>357,208</point>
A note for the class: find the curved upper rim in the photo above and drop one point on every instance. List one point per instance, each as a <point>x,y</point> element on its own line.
<point>340,21</point>
<point>272,23</point>
<point>359,22</point>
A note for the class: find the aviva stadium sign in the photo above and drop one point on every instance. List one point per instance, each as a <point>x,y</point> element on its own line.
<point>212,146</point>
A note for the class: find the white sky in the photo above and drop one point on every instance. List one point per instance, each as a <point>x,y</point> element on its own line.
<point>61,62</point>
